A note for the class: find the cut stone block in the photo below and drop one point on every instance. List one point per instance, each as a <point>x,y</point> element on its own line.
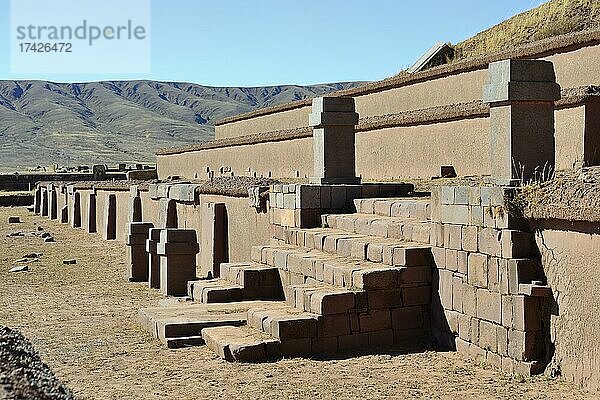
<point>242,344</point>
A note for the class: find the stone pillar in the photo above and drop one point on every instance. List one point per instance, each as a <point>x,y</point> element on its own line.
<point>53,203</point>
<point>521,94</point>
<point>37,200</point>
<point>135,204</point>
<point>167,213</point>
<point>137,258</point>
<point>44,207</point>
<point>333,120</point>
<point>92,213</point>
<point>110,216</point>
<point>213,239</point>
<point>177,249</point>
<point>64,215</point>
<point>76,217</point>
<point>153,258</point>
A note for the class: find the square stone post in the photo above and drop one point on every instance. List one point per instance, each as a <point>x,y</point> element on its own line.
<point>53,196</point>
<point>64,215</point>
<point>135,204</point>
<point>76,210</point>
<point>91,224</point>
<point>213,239</point>
<point>333,120</point>
<point>110,218</point>
<point>37,200</point>
<point>521,94</point>
<point>137,258</point>
<point>153,258</point>
<point>177,249</point>
<point>44,207</point>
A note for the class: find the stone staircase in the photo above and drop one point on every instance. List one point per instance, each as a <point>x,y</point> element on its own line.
<point>361,280</point>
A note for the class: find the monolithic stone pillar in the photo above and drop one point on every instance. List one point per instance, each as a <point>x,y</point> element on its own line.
<point>92,213</point>
<point>153,258</point>
<point>137,258</point>
<point>37,200</point>
<point>167,213</point>
<point>64,214</point>
<point>521,94</point>
<point>177,249</point>
<point>110,218</point>
<point>53,203</point>
<point>76,217</point>
<point>44,210</point>
<point>213,239</point>
<point>135,204</point>
<point>333,120</point>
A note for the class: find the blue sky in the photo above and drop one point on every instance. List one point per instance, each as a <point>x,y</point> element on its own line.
<point>268,42</point>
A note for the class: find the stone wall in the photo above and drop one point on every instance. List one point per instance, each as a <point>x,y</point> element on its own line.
<point>283,159</point>
<point>387,150</point>
<point>574,60</point>
<point>570,253</point>
<point>490,285</point>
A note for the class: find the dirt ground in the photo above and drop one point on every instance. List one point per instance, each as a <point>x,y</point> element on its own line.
<point>82,320</point>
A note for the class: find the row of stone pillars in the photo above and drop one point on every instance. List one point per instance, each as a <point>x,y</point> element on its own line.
<point>521,95</point>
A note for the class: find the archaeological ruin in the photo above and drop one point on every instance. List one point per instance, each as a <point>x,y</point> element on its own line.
<point>379,215</point>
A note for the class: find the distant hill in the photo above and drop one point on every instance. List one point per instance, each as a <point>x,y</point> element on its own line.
<point>42,123</point>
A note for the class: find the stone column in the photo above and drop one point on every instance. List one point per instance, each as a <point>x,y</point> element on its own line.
<point>153,258</point>
<point>137,258</point>
<point>37,200</point>
<point>53,196</point>
<point>167,213</point>
<point>213,239</point>
<point>135,204</point>
<point>44,207</point>
<point>64,215</point>
<point>76,216</point>
<point>91,225</point>
<point>177,249</point>
<point>521,94</point>
<point>333,120</point>
<point>110,218</point>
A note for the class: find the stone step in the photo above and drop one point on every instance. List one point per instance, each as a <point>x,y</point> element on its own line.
<point>346,272</point>
<point>250,275</point>
<point>223,291</point>
<point>183,342</point>
<point>181,325</point>
<point>407,207</point>
<point>242,344</point>
<point>284,322</point>
<point>362,247</point>
<point>405,229</point>
<point>177,328</point>
<point>322,299</point>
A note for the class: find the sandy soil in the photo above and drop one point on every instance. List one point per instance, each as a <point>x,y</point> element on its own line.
<point>82,320</point>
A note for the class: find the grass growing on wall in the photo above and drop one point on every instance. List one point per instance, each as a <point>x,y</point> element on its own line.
<point>553,18</point>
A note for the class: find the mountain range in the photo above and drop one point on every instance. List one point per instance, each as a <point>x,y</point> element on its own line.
<point>44,123</point>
